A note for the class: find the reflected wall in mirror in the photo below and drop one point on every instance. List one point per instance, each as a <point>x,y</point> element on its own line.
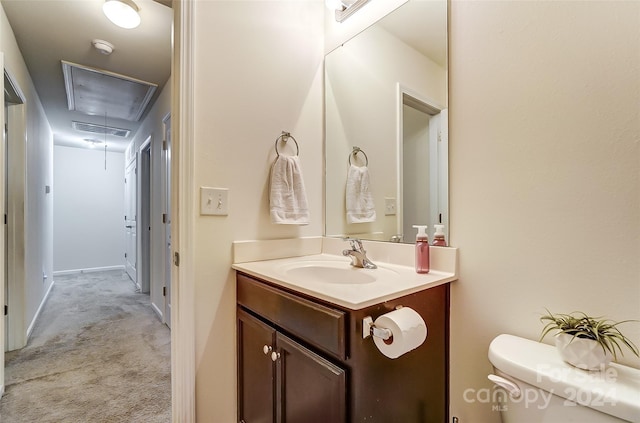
<point>386,93</point>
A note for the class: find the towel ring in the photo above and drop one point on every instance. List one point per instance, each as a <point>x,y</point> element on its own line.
<point>285,137</point>
<point>355,152</point>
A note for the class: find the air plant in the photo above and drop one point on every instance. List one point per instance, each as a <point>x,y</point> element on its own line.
<point>579,325</point>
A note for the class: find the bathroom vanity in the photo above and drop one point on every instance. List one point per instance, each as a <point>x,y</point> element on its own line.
<point>303,356</point>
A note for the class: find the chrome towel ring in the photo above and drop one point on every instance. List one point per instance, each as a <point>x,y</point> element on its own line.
<point>285,137</point>
<point>355,152</point>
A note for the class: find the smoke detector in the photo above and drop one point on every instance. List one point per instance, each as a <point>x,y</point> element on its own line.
<point>103,46</point>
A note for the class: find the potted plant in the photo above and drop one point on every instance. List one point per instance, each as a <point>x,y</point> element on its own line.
<point>586,342</point>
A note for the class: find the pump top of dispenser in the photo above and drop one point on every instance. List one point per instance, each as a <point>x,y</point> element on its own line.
<point>422,232</point>
<point>438,236</point>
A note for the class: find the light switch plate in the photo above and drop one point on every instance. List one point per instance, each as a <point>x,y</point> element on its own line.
<point>389,206</point>
<point>214,201</point>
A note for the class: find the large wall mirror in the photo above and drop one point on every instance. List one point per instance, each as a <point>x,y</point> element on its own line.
<point>386,127</point>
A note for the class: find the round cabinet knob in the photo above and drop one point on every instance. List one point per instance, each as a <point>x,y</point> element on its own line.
<point>267,349</point>
<point>275,356</point>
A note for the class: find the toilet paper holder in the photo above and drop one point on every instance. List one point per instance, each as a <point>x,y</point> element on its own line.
<point>369,329</point>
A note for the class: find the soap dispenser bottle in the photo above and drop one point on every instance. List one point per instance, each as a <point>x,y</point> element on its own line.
<point>422,249</point>
<point>438,236</point>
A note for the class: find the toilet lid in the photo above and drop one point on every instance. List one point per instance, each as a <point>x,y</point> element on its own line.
<point>614,391</point>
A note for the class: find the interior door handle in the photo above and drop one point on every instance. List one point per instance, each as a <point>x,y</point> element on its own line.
<point>128,226</point>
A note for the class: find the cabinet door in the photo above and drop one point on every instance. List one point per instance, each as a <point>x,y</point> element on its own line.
<point>255,370</point>
<point>310,389</point>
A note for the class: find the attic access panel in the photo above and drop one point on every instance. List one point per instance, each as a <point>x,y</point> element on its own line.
<point>98,92</point>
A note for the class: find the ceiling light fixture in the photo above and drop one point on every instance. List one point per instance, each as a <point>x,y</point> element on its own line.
<point>92,142</point>
<point>123,13</point>
<point>345,8</point>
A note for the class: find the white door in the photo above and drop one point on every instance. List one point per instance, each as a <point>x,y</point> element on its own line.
<point>166,189</point>
<point>130,205</point>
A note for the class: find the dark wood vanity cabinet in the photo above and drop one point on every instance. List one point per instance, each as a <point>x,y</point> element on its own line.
<point>282,381</point>
<point>302,360</point>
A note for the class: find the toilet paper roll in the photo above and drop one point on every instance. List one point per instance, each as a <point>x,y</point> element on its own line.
<point>408,329</point>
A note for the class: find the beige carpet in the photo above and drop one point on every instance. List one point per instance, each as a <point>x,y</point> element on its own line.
<point>98,353</point>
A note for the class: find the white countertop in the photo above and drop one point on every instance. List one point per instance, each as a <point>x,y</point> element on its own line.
<point>360,289</point>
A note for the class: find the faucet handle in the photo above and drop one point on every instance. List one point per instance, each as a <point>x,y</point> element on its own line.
<point>356,244</point>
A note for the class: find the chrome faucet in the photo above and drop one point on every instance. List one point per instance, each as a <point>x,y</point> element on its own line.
<point>358,254</point>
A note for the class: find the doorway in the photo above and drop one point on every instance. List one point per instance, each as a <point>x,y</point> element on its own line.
<point>14,193</point>
<point>144,268</point>
<point>166,217</point>
<point>130,219</point>
<point>422,156</point>
<point>131,252</point>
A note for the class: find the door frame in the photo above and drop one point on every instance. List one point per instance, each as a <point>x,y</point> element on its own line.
<point>165,201</point>
<point>131,183</point>
<point>144,194</point>
<point>3,237</point>
<point>431,108</point>
<point>183,380</point>
<point>14,230</point>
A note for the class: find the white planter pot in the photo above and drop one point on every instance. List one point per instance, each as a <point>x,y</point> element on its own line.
<point>582,353</point>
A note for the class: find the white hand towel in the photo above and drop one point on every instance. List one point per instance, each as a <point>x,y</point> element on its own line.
<point>287,196</point>
<point>360,208</point>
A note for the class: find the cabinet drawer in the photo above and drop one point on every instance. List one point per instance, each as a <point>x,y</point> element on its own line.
<point>321,326</point>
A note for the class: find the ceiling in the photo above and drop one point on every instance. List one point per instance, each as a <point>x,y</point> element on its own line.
<point>422,25</point>
<point>51,31</point>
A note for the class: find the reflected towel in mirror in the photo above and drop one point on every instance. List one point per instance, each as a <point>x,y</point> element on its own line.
<point>360,207</point>
<point>287,195</point>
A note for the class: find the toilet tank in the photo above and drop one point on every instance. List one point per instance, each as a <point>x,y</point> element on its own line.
<point>610,395</point>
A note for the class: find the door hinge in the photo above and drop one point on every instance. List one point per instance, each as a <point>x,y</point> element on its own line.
<point>164,218</point>
<point>165,145</point>
<point>125,255</point>
<point>164,291</point>
<point>6,310</point>
<point>5,218</point>
<point>176,258</point>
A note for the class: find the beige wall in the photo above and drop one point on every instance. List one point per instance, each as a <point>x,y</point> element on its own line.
<point>89,189</point>
<point>544,167</point>
<point>258,71</point>
<point>32,167</point>
<point>545,181</point>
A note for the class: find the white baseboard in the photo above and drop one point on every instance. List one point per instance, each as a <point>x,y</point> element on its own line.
<point>158,312</point>
<point>88,270</point>
<point>35,316</point>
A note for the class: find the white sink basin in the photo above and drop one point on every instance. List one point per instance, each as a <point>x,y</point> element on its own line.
<point>332,272</point>
<point>331,277</point>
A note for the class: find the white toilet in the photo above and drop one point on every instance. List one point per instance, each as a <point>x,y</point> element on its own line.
<point>536,386</point>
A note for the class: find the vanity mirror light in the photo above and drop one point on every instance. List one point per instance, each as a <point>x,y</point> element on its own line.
<point>386,93</point>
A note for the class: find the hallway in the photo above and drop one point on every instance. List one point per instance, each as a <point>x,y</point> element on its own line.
<point>98,353</point>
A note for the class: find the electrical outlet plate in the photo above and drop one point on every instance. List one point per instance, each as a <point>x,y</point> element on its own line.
<point>214,201</point>
<point>390,206</point>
